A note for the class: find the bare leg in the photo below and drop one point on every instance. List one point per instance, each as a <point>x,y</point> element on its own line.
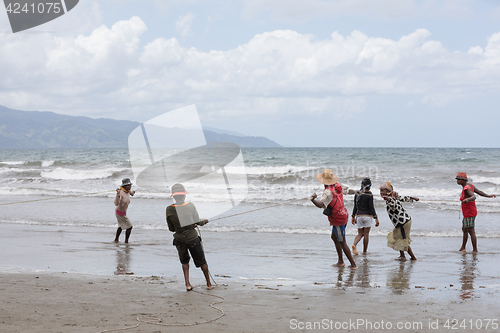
<point>338,247</point>
<point>185,270</point>
<point>473,238</point>
<point>348,254</point>
<point>204,269</point>
<point>410,252</point>
<point>118,232</point>
<point>127,234</point>
<point>366,235</point>
<point>402,255</point>
<point>464,239</point>
<point>356,240</point>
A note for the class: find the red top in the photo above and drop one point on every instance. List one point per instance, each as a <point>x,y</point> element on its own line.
<point>469,208</point>
<point>339,215</point>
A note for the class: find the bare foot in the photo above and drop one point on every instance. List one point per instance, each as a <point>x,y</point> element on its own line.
<point>354,250</point>
<point>339,264</point>
<point>116,241</point>
<point>401,258</point>
<point>413,258</point>
<point>189,288</point>
<point>210,287</point>
<point>353,267</point>
<point>462,250</point>
<point>474,251</point>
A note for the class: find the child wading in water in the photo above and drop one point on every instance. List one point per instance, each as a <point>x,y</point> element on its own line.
<point>469,209</point>
<point>398,239</point>
<point>333,200</point>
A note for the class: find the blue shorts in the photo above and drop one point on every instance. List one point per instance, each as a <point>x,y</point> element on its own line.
<point>339,232</point>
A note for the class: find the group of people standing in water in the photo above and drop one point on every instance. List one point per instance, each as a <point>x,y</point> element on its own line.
<point>364,213</point>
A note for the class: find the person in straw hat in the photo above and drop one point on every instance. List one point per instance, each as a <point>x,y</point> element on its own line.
<point>332,203</point>
<point>469,210</point>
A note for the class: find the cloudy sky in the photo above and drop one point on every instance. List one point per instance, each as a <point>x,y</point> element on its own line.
<point>348,73</point>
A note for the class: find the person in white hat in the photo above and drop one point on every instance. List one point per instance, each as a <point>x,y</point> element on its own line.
<point>122,200</point>
<point>332,201</point>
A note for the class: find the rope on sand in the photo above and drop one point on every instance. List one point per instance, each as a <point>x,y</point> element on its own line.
<point>159,322</point>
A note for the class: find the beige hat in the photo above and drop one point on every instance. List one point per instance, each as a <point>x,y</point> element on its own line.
<point>327,177</point>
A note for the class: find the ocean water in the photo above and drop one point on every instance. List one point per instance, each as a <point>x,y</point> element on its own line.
<point>75,187</point>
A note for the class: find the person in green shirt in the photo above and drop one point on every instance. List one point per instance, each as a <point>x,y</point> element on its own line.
<point>182,219</point>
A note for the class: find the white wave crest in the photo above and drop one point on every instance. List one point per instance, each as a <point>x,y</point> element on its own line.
<point>47,163</point>
<point>77,174</point>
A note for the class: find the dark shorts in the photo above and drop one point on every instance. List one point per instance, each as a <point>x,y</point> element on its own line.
<point>196,250</point>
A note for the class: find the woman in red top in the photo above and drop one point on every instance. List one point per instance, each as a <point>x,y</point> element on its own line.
<point>469,209</point>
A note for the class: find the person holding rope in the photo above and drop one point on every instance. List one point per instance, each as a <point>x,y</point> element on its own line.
<point>182,219</point>
<point>469,210</point>
<point>362,215</point>
<point>398,239</point>
<point>122,200</point>
<point>332,203</point>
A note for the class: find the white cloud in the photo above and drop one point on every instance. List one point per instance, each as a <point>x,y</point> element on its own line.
<point>183,24</point>
<point>276,74</point>
<point>293,10</point>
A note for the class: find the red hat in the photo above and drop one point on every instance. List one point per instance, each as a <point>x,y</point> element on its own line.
<point>462,175</point>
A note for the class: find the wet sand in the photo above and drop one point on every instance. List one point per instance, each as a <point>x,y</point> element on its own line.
<point>75,279</point>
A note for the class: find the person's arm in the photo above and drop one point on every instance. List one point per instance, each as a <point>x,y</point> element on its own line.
<point>470,196</point>
<point>481,193</point>
<point>354,209</point>
<point>407,198</point>
<point>202,222</point>
<point>118,197</point>
<point>196,217</point>
<point>316,202</point>
<point>169,222</point>
<point>372,210</point>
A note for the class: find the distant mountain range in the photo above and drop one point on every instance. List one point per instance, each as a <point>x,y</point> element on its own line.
<point>43,129</point>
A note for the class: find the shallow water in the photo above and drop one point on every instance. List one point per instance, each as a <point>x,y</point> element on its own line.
<point>271,260</point>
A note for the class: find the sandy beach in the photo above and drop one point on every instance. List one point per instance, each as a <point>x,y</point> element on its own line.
<point>74,279</point>
<point>82,303</point>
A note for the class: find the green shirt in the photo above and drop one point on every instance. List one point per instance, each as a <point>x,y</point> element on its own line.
<point>182,219</point>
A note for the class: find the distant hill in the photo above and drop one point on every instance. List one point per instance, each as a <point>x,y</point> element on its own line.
<point>43,129</point>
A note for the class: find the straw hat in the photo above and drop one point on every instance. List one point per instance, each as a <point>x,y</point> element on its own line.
<point>327,177</point>
<point>462,175</point>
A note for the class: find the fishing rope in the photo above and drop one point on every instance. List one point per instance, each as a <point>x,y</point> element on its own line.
<point>219,218</point>
<point>65,196</point>
<point>257,209</point>
<point>159,322</point>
